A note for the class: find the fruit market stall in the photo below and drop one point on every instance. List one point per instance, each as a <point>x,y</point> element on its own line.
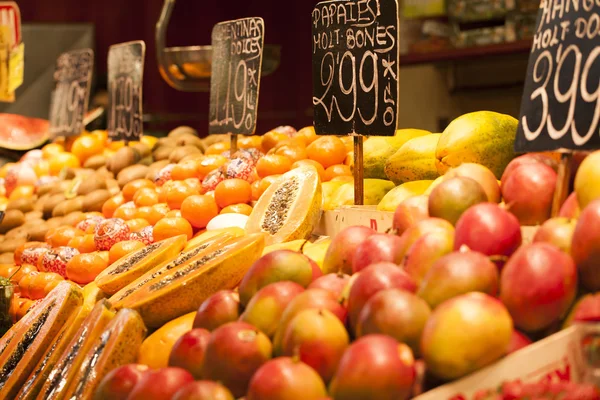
<point>346,260</point>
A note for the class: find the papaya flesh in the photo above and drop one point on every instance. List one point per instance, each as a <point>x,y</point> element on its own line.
<point>156,348</point>
<point>127,269</point>
<point>290,208</point>
<point>34,335</point>
<point>203,248</point>
<point>117,345</point>
<point>70,360</point>
<point>235,231</point>
<point>38,377</point>
<point>183,289</point>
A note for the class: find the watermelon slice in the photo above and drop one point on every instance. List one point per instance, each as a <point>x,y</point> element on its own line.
<point>22,133</point>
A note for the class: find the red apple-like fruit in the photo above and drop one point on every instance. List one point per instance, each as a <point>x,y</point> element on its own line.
<point>557,231</point>
<point>118,383</point>
<point>379,247</point>
<point>340,253</point>
<point>284,378</point>
<point>318,338</point>
<point>488,229</point>
<point>587,309</point>
<point>585,247</point>
<point>570,208</point>
<point>529,191</point>
<point>277,266</point>
<point>538,285</point>
<point>423,228</point>
<point>309,299</point>
<point>531,158</point>
<point>451,198</point>
<point>459,273</point>
<point>481,175</point>
<point>396,313</point>
<point>160,384</point>
<point>219,309</point>
<point>464,334</point>
<point>234,353</point>
<point>374,367</point>
<point>518,341</point>
<point>334,283</point>
<point>373,279</point>
<point>266,307</point>
<point>188,351</point>
<point>409,212</point>
<point>425,251</point>
<point>203,390</point>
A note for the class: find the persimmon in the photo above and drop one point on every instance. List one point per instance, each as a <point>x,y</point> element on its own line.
<point>233,191</point>
<point>327,150</point>
<point>273,164</point>
<point>198,210</point>
<point>170,227</point>
<point>83,268</point>
<point>121,249</point>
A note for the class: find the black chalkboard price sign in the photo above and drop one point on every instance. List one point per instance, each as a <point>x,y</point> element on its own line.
<point>355,67</point>
<point>560,109</point>
<point>70,98</point>
<point>125,77</point>
<point>235,77</point>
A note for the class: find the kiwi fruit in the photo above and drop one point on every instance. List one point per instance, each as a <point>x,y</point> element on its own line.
<point>113,186</point>
<point>95,200</point>
<point>90,185</point>
<point>12,219</point>
<point>23,204</point>
<point>39,203</point>
<point>146,161</point>
<point>143,149</point>
<point>212,139</point>
<point>183,151</point>
<point>155,167</point>
<point>123,158</point>
<point>182,130</point>
<point>73,218</point>
<point>189,140</point>
<point>68,206</point>
<point>7,258</point>
<point>165,142</point>
<point>95,162</point>
<point>54,222</point>
<point>52,202</point>
<point>131,173</point>
<point>45,189</point>
<point>162,152</point>
<point>191,157</point>
<point>9,245</point>
<point>38,233</point>
<point>61,187</point>
<point>33,215</point>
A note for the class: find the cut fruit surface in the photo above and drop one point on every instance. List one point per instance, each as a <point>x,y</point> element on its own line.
<point>290,208</point>
<point>71,359</point>
<point>200,250</point>
<point>117,345</point>
<point>129,268</point>
<point>183,289</point>
<point>33,335</point>
<point>22,133</point>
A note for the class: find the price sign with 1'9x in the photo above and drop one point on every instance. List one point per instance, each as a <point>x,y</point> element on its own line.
<point>355,67</point>
<point>235,77</point>
<point>125,77</point>
<point>70,98</point>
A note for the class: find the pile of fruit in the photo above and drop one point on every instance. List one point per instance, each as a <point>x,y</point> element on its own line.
<point>172,269</point>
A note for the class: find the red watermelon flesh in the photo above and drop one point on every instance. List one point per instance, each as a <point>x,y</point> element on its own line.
<point>22,133</point>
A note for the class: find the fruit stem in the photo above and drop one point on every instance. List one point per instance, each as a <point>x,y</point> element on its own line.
<point>14,273</point>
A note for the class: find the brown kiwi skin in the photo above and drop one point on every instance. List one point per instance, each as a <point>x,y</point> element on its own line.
<point>7,258</point>
<point>123,158</point>
<point>33,215</point>
<point>54,222</point>
<point>131,173</point>
<point>95,162</point>
<point>162,152</point>
<point>155,167</point>
<point>182,130</point>
<point>95,200</point>
<point>10,245</point>
<point>143,149</point>
<point>23,204</point>
<point>181,152</point>
<point>90,185</point>
<point>52,202</point>
<point>189,140</point>
<point>68,206</point>
<point>38,233</point>
<point>12,219</point>
<point>73,218</point>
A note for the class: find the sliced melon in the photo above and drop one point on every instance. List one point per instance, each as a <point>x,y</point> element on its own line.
<point>201,249</point>
<point>127,269</point>
<point>290,208</point>
<point>22,133</point>
<point>117,345</point>
<point>183,289</point>
<point>71,359</point>
<point>34,335</point>
<point>31,388</point>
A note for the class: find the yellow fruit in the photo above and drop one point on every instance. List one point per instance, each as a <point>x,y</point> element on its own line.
<point>483,137</point>
<point>377,150</point>
<point>374,191</point>
<point>414,161</point>
<point>400,193</point>
<point>234,231</point>
<point>317,251</point>
<point>328,190</point>
<point>294,245</point>
<point>586,180</point>
<point>433,185</point>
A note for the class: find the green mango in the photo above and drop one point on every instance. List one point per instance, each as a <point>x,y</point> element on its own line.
<point>374,191</point>
<point>397,195</point>
<point>414,161</point>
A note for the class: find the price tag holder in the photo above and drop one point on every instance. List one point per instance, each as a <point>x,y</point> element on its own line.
<point>73,77</point>
<point>355,67</point>
<point>125,79</point>
<point>235,77</point>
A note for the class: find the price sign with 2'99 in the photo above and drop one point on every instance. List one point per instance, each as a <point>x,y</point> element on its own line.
<point>125,78</point>
<point>235,77</point>
<point>355,67</point>
<point>560,109</point>
<point>73,77</point>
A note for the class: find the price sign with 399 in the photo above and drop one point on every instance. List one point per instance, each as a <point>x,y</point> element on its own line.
<point>125,78</point>
<point>560,109</point>
<point>235,76</point>
<point>355,67</point>
<point>73,77</point>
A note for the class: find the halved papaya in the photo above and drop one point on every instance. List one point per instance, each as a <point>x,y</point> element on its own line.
<point>71,358</point>
<point>127,269</point>
<point>38,377</point>
<point>33,336</point>
<point>290,208</point>
<point>185,257</point>
<point>183,289</point>
<point>116,346</point>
